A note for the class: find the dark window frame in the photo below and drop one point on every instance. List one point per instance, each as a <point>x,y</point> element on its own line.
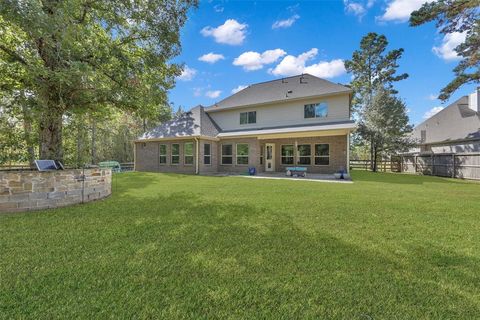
<point>188,159</point>
<point>283,157</point>
<point>310,110</point>
<point>300,158</point>
<point>248,117</point>
<point>321,156</point>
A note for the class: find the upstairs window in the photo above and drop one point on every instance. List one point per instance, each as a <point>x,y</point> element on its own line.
<point>316,110</point>
<point>423,136</point>
<point>248,117</point>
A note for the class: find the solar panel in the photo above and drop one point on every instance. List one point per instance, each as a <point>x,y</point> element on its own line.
<point>48,165</point>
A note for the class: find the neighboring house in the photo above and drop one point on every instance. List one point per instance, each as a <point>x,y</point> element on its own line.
<point>296,121</point>
<point>455,129</point>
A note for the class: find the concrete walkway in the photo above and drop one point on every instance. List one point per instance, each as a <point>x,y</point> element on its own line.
<point>310,177</point>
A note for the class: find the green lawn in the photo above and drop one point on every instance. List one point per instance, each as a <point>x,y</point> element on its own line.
<point>173,246</point>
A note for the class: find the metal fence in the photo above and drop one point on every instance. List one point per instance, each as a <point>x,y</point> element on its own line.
<point>459,165</point>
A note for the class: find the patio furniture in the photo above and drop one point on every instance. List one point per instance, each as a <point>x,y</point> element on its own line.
<point>296,172</point>
<point>114,165</point>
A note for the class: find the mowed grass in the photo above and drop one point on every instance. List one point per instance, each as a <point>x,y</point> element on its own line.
<point>388,246</point>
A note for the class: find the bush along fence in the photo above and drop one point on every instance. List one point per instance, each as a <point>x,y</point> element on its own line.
<point>453,165</point>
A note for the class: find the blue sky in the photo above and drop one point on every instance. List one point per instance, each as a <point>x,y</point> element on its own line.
<point>229,44</point>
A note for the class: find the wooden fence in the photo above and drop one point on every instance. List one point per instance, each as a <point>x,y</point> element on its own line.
<point>383,165</point>
<point>459,165</point>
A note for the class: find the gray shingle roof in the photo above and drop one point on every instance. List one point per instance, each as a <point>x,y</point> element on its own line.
<point>191,123</point>
<point>291,88</point>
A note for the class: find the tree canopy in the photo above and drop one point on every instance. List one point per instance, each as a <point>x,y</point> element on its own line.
<point>371,66</point>
<point>456,16</point>
<point>77,56</point>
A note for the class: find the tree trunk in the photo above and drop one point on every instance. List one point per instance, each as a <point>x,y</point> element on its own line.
<point>27,129</point>
<point>371,155</point>
<point>94,141</point>
<point>80,137</point>
<point>375,155</point>
<point>51,146</point>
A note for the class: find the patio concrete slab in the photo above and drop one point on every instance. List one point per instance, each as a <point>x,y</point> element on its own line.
<point>310,177</point>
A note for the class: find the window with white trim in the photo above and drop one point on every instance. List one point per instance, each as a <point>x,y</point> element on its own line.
<point>287,154</point>
<point>227,154</point>
<point>188,153</point>
<point>304,154</point>
<point>207,153</point>
<point>162,154</point>
<point>242,153</point>
<point>322,154</point>
<point>175,153</point>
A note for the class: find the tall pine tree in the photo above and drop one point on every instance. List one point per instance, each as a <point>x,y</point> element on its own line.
<point>456,17</point>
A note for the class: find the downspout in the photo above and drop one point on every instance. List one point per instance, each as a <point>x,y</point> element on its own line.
<point>197,153</point>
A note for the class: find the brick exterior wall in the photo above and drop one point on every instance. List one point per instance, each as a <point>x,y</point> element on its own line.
<point>338,153</point>
<point>34,190</point>
<point>253,155</point>
<point>147,155</point>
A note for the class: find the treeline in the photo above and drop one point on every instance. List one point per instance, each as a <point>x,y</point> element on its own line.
<point>88,138</point>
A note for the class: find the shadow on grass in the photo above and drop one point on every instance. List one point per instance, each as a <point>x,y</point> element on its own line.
<point>249,259</point>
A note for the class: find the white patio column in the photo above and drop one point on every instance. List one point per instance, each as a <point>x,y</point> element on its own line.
<point>294,153</point>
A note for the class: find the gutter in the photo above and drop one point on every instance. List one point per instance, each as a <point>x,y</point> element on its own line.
<point>197,155</point>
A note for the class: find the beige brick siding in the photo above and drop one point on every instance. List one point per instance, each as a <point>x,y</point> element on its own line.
<point>253,155</point>
<point>147,155</point>
<point>338,152</point>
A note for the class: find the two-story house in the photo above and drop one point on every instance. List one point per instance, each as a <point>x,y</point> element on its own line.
<point>455,129</point>
<point>296,121</point>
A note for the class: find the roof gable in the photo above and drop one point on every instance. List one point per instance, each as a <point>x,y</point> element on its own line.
<point>296,87</point>
<point>191,123</point>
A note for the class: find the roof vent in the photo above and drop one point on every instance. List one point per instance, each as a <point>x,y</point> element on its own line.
<point>284,80</point>
<point>302,80</point>
<point>288,92</point>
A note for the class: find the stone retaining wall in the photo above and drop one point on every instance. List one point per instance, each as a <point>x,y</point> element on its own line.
<point>34,190</point>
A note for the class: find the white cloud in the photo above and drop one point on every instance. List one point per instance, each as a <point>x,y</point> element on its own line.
<point>239,88</point>
<point>446,50</point>
<point>213,94</point>
<point>291,65</point>
<point>231,32</point>
<point>218,8</point>
<point>432,97</point>
<point>211,57</point>
<point>197,92</point>
<point>187,74</point>
<point>252,60</point>
<point>287,23</point>
<point>400,10</point>
<point>432,112</point>
<point>355,8</point>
